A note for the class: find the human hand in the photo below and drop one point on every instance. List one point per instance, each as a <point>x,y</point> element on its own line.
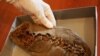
<point>40,9</point>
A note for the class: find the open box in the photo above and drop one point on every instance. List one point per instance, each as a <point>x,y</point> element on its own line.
<point>83,21</point>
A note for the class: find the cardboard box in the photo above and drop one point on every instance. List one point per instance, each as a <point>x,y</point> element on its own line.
<point>83,21</point>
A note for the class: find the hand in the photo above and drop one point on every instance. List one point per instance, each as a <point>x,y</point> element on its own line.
<point>40,9</point>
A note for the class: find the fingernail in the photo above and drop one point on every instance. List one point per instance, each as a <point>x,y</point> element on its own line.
<point>50,26</point>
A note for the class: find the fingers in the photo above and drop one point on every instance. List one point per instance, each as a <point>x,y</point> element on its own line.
<point>41,17</point>
<point>49,14</point>
<point>43,20</point>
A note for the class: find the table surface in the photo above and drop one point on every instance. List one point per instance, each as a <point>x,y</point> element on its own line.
<point>8,12</point>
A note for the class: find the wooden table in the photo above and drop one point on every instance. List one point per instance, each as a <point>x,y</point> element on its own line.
<point>9,12</point>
